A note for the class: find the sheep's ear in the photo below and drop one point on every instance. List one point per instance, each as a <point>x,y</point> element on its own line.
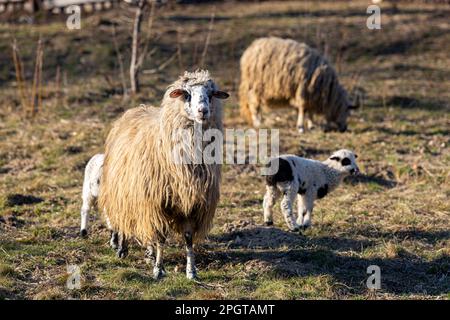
<point>176,93</point>
<point>335,158</point>
<point>220,94</point>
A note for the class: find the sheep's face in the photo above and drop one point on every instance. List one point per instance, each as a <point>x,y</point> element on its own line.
<point>340,122</point>
<point>344,161</point>
<point>198,100</point>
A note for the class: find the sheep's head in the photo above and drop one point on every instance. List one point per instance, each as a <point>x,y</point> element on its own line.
<point>198,99</point>
<point>343,107</point>
<point>344,161</point>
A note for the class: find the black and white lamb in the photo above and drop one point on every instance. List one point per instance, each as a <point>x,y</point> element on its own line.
<point>307,180</point>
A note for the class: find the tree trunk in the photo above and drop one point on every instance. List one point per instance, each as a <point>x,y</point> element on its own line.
<point>134,68</point>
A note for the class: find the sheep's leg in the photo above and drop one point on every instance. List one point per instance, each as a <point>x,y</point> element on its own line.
<point>301,208</point>
<point>287,207</point>
<point>308,213</point>
<point>114,240</point>
<point>270,198</point>
<point>150,256</point>
<point>255,110</point>
<point>122,248</point>
<point>191,272</point>
<point>158,268</point>
<point>301,118</point>
<point>310,121</point>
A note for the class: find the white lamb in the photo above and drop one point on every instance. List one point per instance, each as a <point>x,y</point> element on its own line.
<point>91,186</point>
<point>307,180</point>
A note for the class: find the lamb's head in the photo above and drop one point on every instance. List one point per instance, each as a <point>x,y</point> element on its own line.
<point>344,161</point>
<point>197,92</point>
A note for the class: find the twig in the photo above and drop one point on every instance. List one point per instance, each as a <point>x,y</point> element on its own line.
<point>148,33</point>
<point>208,38</point>
<point>162,66</point>
<point>36,91</point>
<point>19,76</point>
<point>120,62</point>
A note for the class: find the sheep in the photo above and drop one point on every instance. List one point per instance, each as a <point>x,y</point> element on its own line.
<point>308,180</point>
<point>277,72</point>
<point>146,194</point>
<point>91,186</point>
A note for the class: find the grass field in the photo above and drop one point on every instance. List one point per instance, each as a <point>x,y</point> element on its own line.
<point>395,215</point>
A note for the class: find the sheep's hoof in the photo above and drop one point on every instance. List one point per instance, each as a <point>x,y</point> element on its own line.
<point>158,273</point>
<point>304,227</point>
<point>191,275</point>
<point>296,229</point>
<point>122,253</point>
<point>301,130</point>
<point>268,223</point>
<point>83,233</point>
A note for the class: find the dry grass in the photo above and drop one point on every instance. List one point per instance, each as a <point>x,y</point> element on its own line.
<point>396,215</point>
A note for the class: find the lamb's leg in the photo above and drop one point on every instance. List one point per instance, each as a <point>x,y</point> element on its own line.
<point>287,208</point>
<point>270,198</point>
<point>158,268</point>
<point>309,209</point>
<point>122,249</point>
<point>86,207</point>
<point>301,209</point>
<point>191,272</point>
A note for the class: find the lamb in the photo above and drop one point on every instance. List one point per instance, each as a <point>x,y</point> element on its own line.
<point>277,72</point>
<point>91,186</point>
<point>308,180</point>
<point>148,195</point>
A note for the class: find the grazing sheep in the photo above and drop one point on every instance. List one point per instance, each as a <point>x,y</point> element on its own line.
<point>145,192</point>
<point>308,180</point>
<point>277,71</point>
<point>91,186</point>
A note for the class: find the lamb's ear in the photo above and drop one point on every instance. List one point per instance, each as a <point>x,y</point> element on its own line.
<point>176,93</point>
<point>335,158</point>
<point>220,94</point>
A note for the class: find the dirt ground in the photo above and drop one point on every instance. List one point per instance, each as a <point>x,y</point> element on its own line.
<point>395,215</point>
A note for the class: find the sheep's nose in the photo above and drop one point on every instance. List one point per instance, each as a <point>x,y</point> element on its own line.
<point>203,110</point>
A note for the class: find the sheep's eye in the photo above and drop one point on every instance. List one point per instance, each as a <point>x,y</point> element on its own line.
<point>187,96</point>
<point>346,162</point>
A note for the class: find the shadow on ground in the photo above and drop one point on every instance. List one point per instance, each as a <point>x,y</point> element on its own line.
<point>404,273</point>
